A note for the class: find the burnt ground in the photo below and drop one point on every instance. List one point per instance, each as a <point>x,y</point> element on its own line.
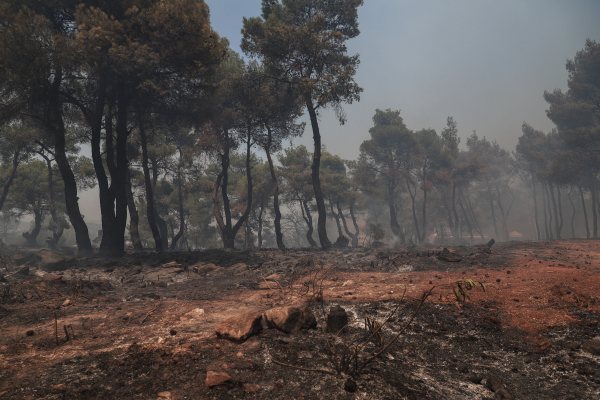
<point>138,328</point>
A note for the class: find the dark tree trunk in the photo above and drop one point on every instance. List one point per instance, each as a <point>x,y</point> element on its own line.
<point>574,213</point>
<point>353,237</point>
<point>472,214</point>
<point>228,232</point>
<point>535,207</point>
<point>356,228</point>
<point>260,224</point>
<point>424,229</point>
<point>319,198</point>
<point>277,222</point>
<point>503,215</point>
<point>450,219</point>
<point>179,202</point>
<point>150,213</point>
<point>309,222</point>
<point>11,177</point>
<point>594,212</point>
<point>454,212</point>
<point>396,228</point>
<point>467,219</point>
<point>37,227</point>
<point>585,217</point>
<point>493,211</point>
<point>336,217</point>
<point>56,124</point>
<point>547,228</point>
<point>134,218</point>
<point>414,208</point>
<point>58,221</point>
<point>557,224</point>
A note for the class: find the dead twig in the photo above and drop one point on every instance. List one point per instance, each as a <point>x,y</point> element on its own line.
<point>304,369</point>
<point>149,313</point>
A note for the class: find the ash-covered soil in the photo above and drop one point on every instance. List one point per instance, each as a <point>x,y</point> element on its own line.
<point>143,326</point>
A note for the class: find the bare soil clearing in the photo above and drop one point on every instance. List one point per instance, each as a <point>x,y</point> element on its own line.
<point>143,326</point>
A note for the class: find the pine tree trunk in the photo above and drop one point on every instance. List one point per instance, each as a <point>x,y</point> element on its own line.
<point>585,216</point>
<point>535,207</point>
<point>277,222</point>
<point>150,213</point>
<point>309,222</point>
<point>316,164</point>
<point>179,203</point>
<point>11,177</point>
<point>134,218</point>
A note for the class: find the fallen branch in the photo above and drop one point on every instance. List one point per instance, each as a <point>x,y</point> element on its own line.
<point>149,312</point>
<point>326,371</point>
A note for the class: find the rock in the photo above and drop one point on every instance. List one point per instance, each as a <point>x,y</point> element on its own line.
<point>592,346</point>
<point>164,395</point>
<point>342,242</point>
<point>288,319</point>
<point>50,261</point>
<point>251,387</point>
<point>448,256</point>
<point>497,386</point>
<point>30,333</point>
<point>66,303</point>
<point>348,283</point>
<point>60,387</point>
<point>238,268</point>
<point>571,345</point>
<point>336,319</point>
<point>216,378</point>
<point>52,277</point>
<point>240,327</point>
<point>24,258</point>
<point>206,269</point>
<point>172,264</point>
<point>23,271</point>
<point>350,386</point>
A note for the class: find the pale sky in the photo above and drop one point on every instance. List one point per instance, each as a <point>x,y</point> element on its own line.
<point>486,63</point>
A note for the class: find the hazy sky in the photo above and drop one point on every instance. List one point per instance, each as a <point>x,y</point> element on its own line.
<point>485,63</point>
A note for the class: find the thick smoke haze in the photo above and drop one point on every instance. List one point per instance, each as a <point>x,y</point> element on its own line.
<point>484,63</point>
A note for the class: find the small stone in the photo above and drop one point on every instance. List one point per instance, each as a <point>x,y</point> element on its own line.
<point>592,346</point>
<point>60,387</point>
<point>173,332</point>
<point>66,303</point>
<point>498,280</point>
<point>30,332</point>
<point>350,386</point>
<point>571,345</point>
<point>164,395</point>
<point>216,378</point>
<point>251,387</point>
<point>348,283</point>
<point>336,319</point>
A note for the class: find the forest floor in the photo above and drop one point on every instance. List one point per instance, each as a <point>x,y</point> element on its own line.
<point>143,326</point>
